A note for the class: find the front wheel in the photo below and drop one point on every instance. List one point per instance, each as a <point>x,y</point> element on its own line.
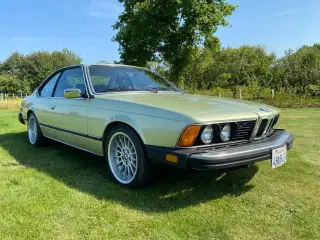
<point>126,158</point>
<point>34,132</point>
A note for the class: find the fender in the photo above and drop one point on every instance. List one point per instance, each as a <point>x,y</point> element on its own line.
<point>26,109</point>
<point>126,120</point>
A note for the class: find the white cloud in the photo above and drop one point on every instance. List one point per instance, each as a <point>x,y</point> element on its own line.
<point>104,9</point>
<point>288,12</point>
<point>22,39</point>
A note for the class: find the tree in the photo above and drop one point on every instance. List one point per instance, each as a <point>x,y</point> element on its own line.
<point>242,66</point>
<point>168,29</point>
<point>12,63</point>
<point>9,83</point>
<point>302,68</point>
<point>30,70</point>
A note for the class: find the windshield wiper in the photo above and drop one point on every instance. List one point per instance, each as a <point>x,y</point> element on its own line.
<point>119,90</point>
<point>156,89</point>
<point>153,90</point>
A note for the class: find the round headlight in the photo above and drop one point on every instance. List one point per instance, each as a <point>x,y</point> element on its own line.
<point>225,133</point>
<point>207,135</point>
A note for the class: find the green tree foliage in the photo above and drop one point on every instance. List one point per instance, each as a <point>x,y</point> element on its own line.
<point>9,83</point>
<point>301,69</point>
<point>244,66</point>
<point>228,68</point>
<point>169,29</point>
<point>28,71</point>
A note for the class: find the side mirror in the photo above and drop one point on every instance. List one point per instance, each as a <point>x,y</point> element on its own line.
<point>72,93</point>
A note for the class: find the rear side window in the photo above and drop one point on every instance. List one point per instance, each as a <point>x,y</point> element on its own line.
<point>71,78</point>
<point>47,90</point>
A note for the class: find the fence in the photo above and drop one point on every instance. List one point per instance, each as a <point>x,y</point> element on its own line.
<point>6,96</point>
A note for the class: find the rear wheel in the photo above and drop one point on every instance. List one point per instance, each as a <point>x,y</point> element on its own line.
<point>126,158</point>
<point>34,132</point>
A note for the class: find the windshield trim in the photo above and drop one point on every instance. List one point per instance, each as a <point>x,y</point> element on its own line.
<point>144,69</point>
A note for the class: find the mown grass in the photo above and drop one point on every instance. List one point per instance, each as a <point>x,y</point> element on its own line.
<point>57,192</point>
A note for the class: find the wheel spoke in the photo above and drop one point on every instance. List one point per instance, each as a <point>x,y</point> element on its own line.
<point>125,172</point>
<point>128,170</point>
<point>126,142</point>
<point>119,146</point>
<point>122,145</point>
<point>133,164</point>
<point>122,157</point>
<point>117,151</point>
<point>119,163</point>
<point>122,167</point>
<point>131,169</point>
<point>133,153</point>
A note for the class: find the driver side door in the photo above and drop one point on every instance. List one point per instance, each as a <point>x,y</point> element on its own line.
<point>68,117</point>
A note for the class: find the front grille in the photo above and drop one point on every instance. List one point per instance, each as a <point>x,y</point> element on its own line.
<point>239,131</point>
<point>275,120</point>
<point>266,126</point>
<point>262,127</point>
<point>244,130</point>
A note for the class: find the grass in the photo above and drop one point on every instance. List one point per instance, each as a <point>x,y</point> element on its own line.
<point>11,104</point>
<point>57,192</point>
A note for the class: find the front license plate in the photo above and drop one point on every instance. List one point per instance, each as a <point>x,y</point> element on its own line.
<point>279,156</point>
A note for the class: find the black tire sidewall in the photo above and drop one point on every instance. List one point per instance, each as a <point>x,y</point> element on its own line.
<point>143,169</point>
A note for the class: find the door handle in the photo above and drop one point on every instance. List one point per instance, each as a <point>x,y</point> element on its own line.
<point>52,107</point>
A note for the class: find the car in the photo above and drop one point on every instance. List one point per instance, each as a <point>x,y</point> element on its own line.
<point>133,117</point>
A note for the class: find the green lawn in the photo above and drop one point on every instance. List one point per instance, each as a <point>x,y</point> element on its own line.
<point>57,192</point>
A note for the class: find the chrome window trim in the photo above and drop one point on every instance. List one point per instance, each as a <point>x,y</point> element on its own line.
<point>117,65</point>
<point>56,71</point>
<point>85,82</point>
<point>62,71</point>
<point>90,81</point>
<point>46,80</point>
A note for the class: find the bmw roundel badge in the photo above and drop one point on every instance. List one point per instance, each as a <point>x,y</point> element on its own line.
<point>264,109</point>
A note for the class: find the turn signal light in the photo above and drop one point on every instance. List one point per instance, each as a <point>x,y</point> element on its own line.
<point>171,158</point>
<point>188,136</point>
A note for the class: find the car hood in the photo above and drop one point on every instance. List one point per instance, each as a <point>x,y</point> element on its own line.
<point>199,107</point>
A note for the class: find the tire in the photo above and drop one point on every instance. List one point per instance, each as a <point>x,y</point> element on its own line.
<point>35,136</point>
<point>126,158</point>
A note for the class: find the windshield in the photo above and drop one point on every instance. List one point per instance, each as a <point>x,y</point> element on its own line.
<point>118,79</point>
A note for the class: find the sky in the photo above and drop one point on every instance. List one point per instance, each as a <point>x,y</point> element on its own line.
<point>85,26</point>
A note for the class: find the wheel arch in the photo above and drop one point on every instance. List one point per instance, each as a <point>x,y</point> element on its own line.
<point>123,120</point>
<point>30,110</point>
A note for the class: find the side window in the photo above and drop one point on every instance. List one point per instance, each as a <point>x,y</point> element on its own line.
<point>47,90</point>
<point>72,78</point>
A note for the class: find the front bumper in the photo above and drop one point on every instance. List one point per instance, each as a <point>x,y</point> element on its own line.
<point>223,156</point>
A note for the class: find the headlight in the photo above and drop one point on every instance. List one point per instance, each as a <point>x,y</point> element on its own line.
<point>225,133</point>
<point>207,135</point>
